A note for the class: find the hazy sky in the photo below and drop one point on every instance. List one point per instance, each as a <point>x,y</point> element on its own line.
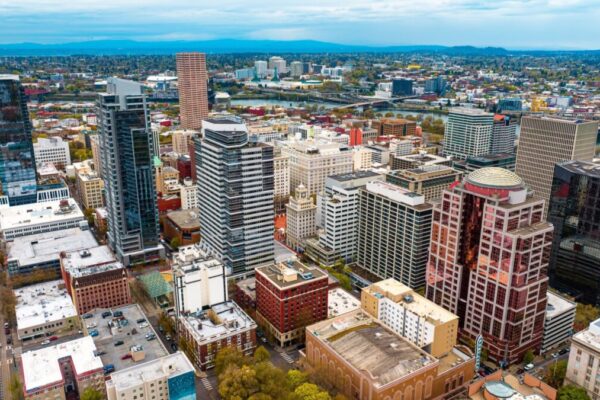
<point>509,23</point>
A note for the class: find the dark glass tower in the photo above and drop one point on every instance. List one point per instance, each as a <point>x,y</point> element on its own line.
<point>575,212</point>
<point>17,164</point>
<point>126,152</point>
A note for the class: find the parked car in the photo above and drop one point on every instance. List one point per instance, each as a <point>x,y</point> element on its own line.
<point>106,314</point>
<point>92,325</point>
<point>53,338</point>
<point>126,356</point>
<point>109,368</point>
<point>143,325</point>
<point>45,342</point>
<point>529,367</point>
<point>93,333</point>
<point>118,314</point>
<point>168,337</point>
<point>141,320</point>
<point>173,346</point>
<point>563,351</point>
<point>99,353</point>
<point>119,343</point>
<point>6,325</point>
<point>150,336</point>
<point>87,316</point>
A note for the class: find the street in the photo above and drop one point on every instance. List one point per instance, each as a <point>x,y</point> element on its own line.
<point>4,364</point>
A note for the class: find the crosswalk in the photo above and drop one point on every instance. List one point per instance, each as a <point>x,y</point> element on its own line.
<point>286,357</point>
<point>206,384</point>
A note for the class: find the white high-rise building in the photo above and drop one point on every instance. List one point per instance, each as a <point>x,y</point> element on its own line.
<point>281,176</point>
<point>468,133</point>
<point>261,68</point>
<point>279,63</point>
<point>52,150</point>
<point>188,192</point>
<point>300,218</point>
<point>296,68</point>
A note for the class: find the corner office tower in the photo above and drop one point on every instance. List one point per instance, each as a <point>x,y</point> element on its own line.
<point>126,153</point>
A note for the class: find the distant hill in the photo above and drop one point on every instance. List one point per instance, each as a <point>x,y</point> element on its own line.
<point>130,47</point>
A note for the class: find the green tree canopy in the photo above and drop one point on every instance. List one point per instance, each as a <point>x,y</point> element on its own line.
<point>261,355</point>
<point>228,356</point>
<point>528,357</point>
<point>310,391</point>
<point>91,394</point>
<point>555,373</point>
<point>572,392</point>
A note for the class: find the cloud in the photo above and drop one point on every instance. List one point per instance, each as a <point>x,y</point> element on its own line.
<point>480,22</point>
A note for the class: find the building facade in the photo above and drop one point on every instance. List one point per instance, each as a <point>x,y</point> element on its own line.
<point>468,133</point>
<point>235,195</point>
<point>52,150</point>
<point>300,219</point>
<point>583,368</point>
<point>488,261</point>
<point>558,327</point>
<point>544,142</point>
<point>192,81</point>
<point>281,177</point>
<point>393,231</point>
<point>504,135</point>
<point>429,180</point>
<point>127,163</point>
<point>17,159</point>
<point>91,190</point>
<point>290,296</point>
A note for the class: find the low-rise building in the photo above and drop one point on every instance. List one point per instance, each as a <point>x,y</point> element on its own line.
<point>91,189</point>
<point>66,368</point>
<point>45,309</point>
<point>340,302</point>
<point>365,360</point>
<point>428,180</point>
<point>52,150</point>
<point>94,279</point>
<point>420,321</point>
<point>183,225</point>
<point>417,160</point>
<point>395,127</point>
<point>222,325</point>
<point>199,280</point>
<point>171,377</point>
<point>31,219</point>
<point>583,368</point>
<point>245,293</point>
<point>558,328</point>
<point>25,254</point>
<point>290,296</point>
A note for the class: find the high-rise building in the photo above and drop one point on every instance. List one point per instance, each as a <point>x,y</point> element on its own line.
<point>127,164</point>
<point>91,189</point>
<point>235,195</point>
<point>96,154</point>
<point>181,140</point>
<point>18,183</point>
<point>393,231</point>
<point>500,160</point>
<point>428,180</point>
<point>504,134</point>
<point>468,133</point>
<point>510,104</point>
<point>290,296</point>
<point>546,141</point>
<point>311,162</point>
<point>300,219</point>
<point>402,87</point>
<point>575,213</point>
<point>52,150</point>
<point>488,261</point>
<point>192,81</point>
<point>436,85</point>
<point>296,68</point>
<point>277,63</point>
<point>281,176</point>
<point>261,68</point>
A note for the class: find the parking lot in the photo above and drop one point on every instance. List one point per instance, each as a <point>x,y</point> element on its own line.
<point>117,333</point>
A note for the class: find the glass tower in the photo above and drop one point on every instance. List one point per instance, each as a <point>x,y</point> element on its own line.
<point>17,164</point>
<point>127,168</point>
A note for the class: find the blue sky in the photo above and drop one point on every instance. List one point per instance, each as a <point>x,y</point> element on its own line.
<point>524,24</point>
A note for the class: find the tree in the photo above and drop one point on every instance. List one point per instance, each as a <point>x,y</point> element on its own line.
<point>295,378</point>
<point>238,383</point>
<point>528,357</point>
<point>270,380</point>
<point>555,373</point>
<point>572,392</point>
<point>310,391</point>
<point>228,356</point>
<point>16,387</point>
<point>261,355</point>
<point>585,314</point>
<point>91,394</point>
<point>175,243</point>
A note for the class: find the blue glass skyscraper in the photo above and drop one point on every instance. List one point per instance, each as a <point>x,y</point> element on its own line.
<point>17,164</point>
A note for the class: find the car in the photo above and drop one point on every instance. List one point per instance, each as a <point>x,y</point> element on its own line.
<point>92,325</point>
<point>520,371</point>
<point>554,355</point>
<point>109,368</point>
<point>263,339</point>
<point>53,338</point>
<point>161,329</point>
<point>6,325</point>
<point>150,336</point>
<point>173,347</point>
<point>8,340</point>
<point>7,331</point>
<point>93,333</point>
<point>126,356</point>
<point>529,367</point>
<point>119,343</point>
<point>118,314</point>
<point>99,353</point>
<point>141,321</point>
<point>45,342</point>
<point>106,314</point>
<point>143,325</point>
<point>88,316</point>
<point>563,351</point>
<point>168,337</point>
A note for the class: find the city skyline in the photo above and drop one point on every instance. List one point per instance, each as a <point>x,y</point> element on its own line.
<point>378,23</point>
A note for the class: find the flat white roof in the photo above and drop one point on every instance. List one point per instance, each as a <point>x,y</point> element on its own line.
<point>340,302</point>
<point>39,213</point>
<point>43,303</point>
<point>41,367</point>
<point>558,305</point>
<point>395,193</point>
<point>167,366</point>
<point>87,257</point>
<point>43,247</point>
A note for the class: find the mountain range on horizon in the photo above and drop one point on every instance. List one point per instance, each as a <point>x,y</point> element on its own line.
<point>221,46</point>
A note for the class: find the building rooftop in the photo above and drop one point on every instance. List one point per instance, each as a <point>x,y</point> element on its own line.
<point>398,194</point>
<point>39,213</point>
<point>353,176</point>
<point>493,177</point>
<point>557,305</point>
<point>41,367</point>
<point>341,302</point>
<point>42,248</point>
<point>43,303</point>
<point>229,319</point>
<point>410,300</point>
<point>371,348</point>
<point>290,273</point>
<point>583,168</point>
<point>491,157</point>
<point>168,366</point>
<point>185,219</point>
<point>125,328</point>
<point>248,286</point>
<point>471,111</point>
<point>80,259</point>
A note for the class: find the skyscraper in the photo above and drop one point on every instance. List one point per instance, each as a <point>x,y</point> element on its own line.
<point>402,87</point>
<point>488,261</point>
<point>235,195</point>
<point>393,231</point>
<point>468,133</point>
<point>504,134</point>
<point>17,162</point>
<point>193,92</point>
<point>127,169</point>
<point>575,213</point>
<point>546,141</point>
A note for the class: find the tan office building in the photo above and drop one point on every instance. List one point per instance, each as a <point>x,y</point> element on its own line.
<point>90,188</point>
<point>427,180</point>
<point>192,80</point>
<point>300,218</point>
<point>547,141</point>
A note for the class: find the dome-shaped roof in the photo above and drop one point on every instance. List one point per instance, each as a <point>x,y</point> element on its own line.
<point>494,177</point>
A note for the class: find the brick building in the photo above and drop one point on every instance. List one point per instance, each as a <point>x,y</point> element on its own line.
<point>290,296</point>
<point>182,224</point>
<point>395,127</point>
